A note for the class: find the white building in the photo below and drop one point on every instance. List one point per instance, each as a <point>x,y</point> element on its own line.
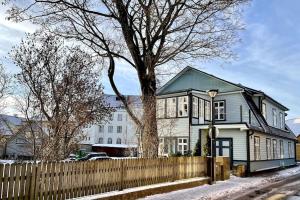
<point>118,131</point>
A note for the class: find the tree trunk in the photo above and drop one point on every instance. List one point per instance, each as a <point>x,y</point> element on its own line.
<point>149,133</point>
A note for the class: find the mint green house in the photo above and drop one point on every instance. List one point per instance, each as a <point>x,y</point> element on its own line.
<point>250,125</point>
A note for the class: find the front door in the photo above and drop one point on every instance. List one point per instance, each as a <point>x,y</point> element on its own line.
<point>224,148</point>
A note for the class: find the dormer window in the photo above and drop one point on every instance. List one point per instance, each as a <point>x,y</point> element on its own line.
<point>281,120</point>
<point>274,112</point>
<point>264,110</point>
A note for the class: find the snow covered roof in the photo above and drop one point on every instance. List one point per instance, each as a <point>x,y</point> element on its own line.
<point>7,122</point>
<point>294,125</point>
<point>115,145</point>
<point>115,102</point>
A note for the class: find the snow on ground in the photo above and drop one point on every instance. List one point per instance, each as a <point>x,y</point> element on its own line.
<point>235,185</point>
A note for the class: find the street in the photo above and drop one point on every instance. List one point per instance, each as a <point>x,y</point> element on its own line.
<point>288,188</point>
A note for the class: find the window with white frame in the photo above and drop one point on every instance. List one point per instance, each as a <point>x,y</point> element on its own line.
<point>183,106</point>
<point>160,108</point>
<point>171,107</point>
<point>101,129</point>
<point>268,148</point>
<point>275,154</point>
<point>100,140</point>
<point>195,107</point>
<point>281,120</point>
<point>290,149</point>
<point>110,129</point>
<point>264,110</point>
<point>183,145</point>
<point>120,117</point>
<point>119,129</point>
<point>256,148</point>
<point>201,108</point>
<point>219,110</point>
<point>274,112</point>
<point>281,149</point>
<point>207,109</point>
<point>109,141</point>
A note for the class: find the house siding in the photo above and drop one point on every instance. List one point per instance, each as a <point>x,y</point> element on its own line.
<point>269,118</point>
<point>263,162</point>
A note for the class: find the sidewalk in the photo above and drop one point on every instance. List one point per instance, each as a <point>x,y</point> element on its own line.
<point>223,189</point>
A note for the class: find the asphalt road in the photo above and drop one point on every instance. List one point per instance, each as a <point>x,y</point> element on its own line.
<point>284,189</point>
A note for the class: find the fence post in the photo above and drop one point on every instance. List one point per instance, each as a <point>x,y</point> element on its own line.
<point>32,181</point>
<point>173,169</point>
<point>122,175</point>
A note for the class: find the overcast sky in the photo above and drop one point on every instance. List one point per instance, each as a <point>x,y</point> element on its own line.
<point>268,56</point>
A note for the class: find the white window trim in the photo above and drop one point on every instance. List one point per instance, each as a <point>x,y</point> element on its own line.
<point>171,107</point>
<point>181,106</point>
<point>257,148</point>
<point>274,113</point>
<point>269,148</point>
<point>195,107</point>
<point>264,110</point>
<point>160,108</point>
<point>182,144</point>
<point>218,108</point>
<point>119,129</point>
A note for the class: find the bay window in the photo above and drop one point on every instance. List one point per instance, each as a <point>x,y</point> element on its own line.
<point>183,106</point>
<point>207,111</point>
<point>160,108</point>
<point>171,107</point>
<point>195,107</point>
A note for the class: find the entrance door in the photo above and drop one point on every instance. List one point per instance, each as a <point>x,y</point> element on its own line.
<point>224,147</point>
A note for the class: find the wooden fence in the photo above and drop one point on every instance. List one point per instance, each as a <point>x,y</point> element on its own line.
<point>298,152</point>
<point>63,180</point>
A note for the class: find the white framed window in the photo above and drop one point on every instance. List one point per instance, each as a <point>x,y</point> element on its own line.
<point>119,129</point>
<point>275,154</point>
<point>256,148</point>
<point>119,140</point>
<point>195,107</point>
<point>268,148</point>
<point>160,108</point>
<point>201,108</point>
<point>290,151</point>
<point>281,148</point>
<point>109,141</point>
<point>171,107</point>
<point>219,110</point>
<point>183,106</point>
<point>274,112</point>
<point>110,129</point>
<point>281,120</point>
<point>101,129</point>
<point>207,109</point>
<point>183,145</point>
<point>264,110</point>
<point>100,141</point>
<point>120,116</point>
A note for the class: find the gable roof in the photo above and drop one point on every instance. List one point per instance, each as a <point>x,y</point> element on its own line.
<point>189,78</point>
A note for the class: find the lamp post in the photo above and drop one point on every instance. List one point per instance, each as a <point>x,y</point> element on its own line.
<point>212,94</point>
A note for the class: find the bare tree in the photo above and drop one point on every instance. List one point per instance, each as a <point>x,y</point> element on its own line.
<point>4,86</point>
<point>145,34</point>
<point>64,87</point>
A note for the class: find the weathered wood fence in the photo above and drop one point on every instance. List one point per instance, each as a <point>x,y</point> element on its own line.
<point>63,180</point>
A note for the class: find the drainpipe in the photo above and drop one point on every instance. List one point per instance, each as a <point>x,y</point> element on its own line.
<point>190,97</point>
<point>248,153</point>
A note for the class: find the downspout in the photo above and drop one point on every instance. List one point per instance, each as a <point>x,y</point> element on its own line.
<point>190,97</point>
<point>248,152</point>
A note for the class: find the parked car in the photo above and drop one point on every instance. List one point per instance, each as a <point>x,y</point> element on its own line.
<point>93,155</point>
<point>101,158</point>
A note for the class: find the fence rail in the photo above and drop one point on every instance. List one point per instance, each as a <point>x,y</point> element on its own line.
<point>63,180</point>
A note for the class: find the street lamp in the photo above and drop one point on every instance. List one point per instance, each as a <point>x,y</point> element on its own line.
<point>212,93</point>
